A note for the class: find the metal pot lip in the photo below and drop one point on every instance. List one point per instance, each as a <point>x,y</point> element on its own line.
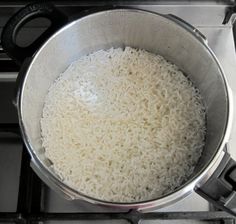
<point>182,191</point>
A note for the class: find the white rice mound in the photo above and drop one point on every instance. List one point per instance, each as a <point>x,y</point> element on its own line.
<point>123,125</point>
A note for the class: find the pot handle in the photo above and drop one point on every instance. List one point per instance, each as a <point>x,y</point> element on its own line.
<point>24,15</point>
<point>220,188</point>
<point>10,128</point>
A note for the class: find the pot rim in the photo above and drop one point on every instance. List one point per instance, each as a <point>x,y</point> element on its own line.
<point>180,192</point>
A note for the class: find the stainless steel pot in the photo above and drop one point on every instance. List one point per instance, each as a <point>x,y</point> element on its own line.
<point>167,35</point>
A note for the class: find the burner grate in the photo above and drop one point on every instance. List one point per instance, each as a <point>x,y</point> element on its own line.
<point>131,217</point>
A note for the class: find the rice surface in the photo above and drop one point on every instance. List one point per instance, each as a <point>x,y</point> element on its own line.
<point>123,125</point>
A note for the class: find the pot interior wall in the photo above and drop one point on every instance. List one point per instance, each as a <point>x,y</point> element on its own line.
<point>121,28</point>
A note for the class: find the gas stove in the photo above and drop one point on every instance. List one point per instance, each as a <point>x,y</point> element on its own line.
<point>24,198</point>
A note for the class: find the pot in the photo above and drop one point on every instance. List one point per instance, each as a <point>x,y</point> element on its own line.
<point>214,176</point>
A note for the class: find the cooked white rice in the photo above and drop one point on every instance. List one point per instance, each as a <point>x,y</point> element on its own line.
<point>123,125</point>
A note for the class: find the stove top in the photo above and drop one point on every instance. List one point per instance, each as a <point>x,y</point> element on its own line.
<point>25,199</point>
